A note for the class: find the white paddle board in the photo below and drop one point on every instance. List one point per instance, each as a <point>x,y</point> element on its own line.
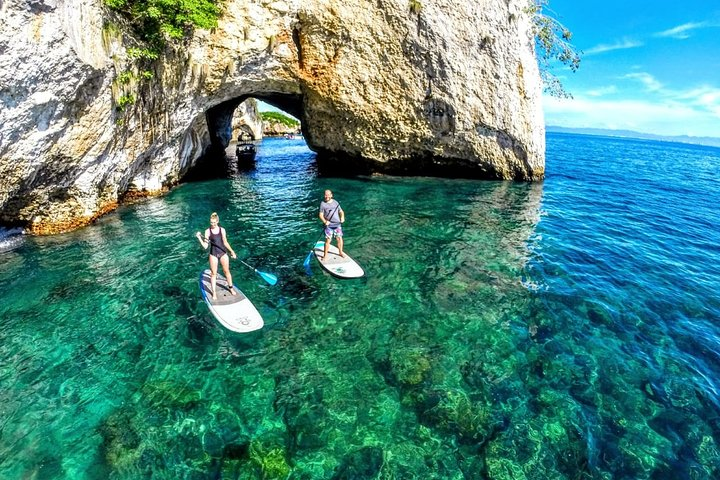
<point>234,312</point>
<point>341,267</point>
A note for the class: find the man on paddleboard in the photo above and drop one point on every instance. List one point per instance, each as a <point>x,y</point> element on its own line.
<point>332,216</point>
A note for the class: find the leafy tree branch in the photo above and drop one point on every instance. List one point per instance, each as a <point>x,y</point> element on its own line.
<point>552,42</point>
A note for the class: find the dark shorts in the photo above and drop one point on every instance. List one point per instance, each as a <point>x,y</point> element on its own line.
<point>336,231</point>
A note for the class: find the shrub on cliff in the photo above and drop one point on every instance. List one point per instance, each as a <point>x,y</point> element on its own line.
<point>277,117</point>
<point>156,21</point>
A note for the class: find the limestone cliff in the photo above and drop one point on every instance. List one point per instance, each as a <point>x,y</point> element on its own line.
<point>277,129</point>
<point>246,118</point>
<point>445,87</point>
<point>280,127</point>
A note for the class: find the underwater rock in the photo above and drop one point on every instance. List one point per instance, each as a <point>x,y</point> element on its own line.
<point>530,450</point>
<point>452,412</point>
<point>303,409</point>
<point>270,459</point>
<point>213,445</point>
<point>363,463</point>
<point>236,451</point>
<point>708,455</point>
<point>171,394</point>
<point>150,461</point>
<point>680,393</point>
<point>168,421</point>
<point>120,440</point>
<point>410,366</point>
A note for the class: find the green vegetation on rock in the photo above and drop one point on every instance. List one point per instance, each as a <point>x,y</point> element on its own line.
<point>124,102</point>
<point>156,21</point>
<point>154,24</point>
<point>270,460</point>
<point>277,117</point>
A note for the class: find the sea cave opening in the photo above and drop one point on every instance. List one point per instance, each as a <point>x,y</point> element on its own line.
<point>236,130</point>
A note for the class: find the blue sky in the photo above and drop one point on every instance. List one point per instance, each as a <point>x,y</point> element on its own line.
<point>652,67</point>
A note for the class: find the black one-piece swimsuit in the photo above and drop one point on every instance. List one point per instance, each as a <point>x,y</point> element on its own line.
<point>215,242</point>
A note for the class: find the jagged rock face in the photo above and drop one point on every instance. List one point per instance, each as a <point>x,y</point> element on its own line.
<point>451,88</point>
<point>279,128</point>
<point>246,119</point>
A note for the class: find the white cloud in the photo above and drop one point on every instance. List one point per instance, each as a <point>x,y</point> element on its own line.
<point>619,45</point>
<point>682,31</point>
<point>706,98</point>
<point>662,117</point>
<point>704,95</point>
<point>602,91</point>
<point>650,82</point>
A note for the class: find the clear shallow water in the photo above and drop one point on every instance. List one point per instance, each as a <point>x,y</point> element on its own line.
<point>567,329</point>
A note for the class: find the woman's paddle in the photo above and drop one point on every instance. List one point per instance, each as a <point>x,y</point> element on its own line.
<point>268,277</point>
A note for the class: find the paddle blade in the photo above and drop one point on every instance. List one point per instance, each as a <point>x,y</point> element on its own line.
<point>306,263</point>
<point>268,277</point>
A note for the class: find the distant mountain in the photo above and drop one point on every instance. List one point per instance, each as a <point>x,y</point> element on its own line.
<point>709,141</point>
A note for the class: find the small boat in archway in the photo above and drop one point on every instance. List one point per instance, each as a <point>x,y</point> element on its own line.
<point>245,149</point>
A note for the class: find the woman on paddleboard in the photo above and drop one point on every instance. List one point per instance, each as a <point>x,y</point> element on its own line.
<point>216,239</point>
<point>332,216</point>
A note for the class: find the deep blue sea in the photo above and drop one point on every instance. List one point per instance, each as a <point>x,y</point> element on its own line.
<point>565,329</point>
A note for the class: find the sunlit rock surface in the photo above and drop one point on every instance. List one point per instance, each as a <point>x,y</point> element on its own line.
<point>246,119</point>
<point>449,88</point>
<point>271,128</point>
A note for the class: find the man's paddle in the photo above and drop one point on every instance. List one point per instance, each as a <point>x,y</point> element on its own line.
<point>306,263</point>
<point>268,277</point>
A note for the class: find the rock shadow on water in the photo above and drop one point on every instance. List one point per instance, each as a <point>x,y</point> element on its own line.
<point>213,166</point>
<point>332,164</point>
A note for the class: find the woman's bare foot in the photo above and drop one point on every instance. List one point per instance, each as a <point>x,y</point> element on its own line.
<point>214,297</point>
<point>232,291</point>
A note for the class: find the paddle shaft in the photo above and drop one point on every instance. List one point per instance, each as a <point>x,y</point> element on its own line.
<point>249,266</point>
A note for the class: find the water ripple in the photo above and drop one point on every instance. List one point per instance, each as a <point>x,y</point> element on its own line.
<point>564,329</point>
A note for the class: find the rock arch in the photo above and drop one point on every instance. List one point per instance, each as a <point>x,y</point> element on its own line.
<point>451,89</point>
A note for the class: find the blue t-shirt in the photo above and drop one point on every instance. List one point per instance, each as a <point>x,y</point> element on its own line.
<point>331,211</point>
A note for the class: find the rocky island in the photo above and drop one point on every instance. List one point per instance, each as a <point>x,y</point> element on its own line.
<point>432,88</point>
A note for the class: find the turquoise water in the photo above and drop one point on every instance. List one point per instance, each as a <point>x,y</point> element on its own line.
<point>564,329</point>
